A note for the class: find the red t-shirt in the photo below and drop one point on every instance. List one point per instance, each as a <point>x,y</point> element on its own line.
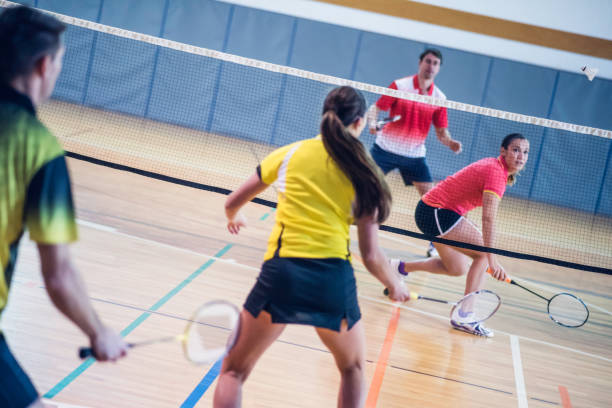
<point>407,136</point>
<point>462,192</point>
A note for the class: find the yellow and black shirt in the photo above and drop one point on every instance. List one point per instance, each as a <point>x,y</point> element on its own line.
<point>315,201</point>
<point>34,184</point>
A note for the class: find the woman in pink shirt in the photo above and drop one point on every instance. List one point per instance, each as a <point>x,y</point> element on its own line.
<point>441,213</point>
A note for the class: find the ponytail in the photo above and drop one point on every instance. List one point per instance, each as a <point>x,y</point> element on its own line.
<point>373,196</point>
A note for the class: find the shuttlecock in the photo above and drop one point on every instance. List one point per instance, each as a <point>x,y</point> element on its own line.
<point>589,72</point>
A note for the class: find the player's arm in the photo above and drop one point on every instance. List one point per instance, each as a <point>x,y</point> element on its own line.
<point>375,260</point>
<point>372,117</point>
<point>445,138</point>
<point>245,193</point>
<point>67,292</point>
<point>490,203</point>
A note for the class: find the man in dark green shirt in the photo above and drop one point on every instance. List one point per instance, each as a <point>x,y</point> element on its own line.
<point>35,189</point>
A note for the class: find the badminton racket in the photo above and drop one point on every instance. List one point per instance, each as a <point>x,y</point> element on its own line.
<point>473,308</point>
<point>209,335</point>
<point>381,123</point>
<point>563,308</point>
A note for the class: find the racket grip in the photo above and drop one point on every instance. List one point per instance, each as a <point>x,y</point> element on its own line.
<point>413,295</point>
<point>85,352</point>
<point>490,272</point>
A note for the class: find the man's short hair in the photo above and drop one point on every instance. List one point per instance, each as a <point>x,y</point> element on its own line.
<point>27,35</point>
<point>434,51</point>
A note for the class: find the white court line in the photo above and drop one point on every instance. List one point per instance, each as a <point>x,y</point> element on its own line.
<point>539,286</point>
<point>519,380</point>
<point>52,404</point>
<point>396,239</point>
<point>233,262</point>
<point>96,226</point>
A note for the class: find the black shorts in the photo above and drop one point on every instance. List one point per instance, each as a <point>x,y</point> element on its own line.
<point>316,292</point>
<point>435,221</point>
<point>16,389</point>
<point>411,168</point>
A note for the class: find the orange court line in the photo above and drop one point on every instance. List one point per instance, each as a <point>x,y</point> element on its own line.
<point>381,364</point>
<point>565,399</point>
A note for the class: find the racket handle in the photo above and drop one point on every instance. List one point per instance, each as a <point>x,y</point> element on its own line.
<point>413,295</point>
<point>85,352</point>
<point>508,279</point>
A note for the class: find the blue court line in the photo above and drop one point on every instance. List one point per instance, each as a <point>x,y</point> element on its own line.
<point>263,217</point>
<point>201,388</point>
<point>87,363</point>
<point>214,371</point>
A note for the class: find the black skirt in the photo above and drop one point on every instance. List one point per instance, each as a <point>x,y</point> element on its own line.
<point>315,292</point>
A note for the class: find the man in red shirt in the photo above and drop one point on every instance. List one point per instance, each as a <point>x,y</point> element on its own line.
<point>401,144</point>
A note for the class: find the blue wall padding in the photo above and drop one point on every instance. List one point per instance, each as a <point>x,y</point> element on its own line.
<point>324,48</point>
<point>121,74</point>
<point>463,75</point>
<point>605,196</point>
<point>183,88</point>
<point>300,110</point>
<point>520,88</point>
<point>245,114</point>
<point>70,85</point>
<point>382,59</point>
<point>85,9</point>
<point>196,22</point>
<point>108,72</point>
<point>442,161</point>
<point>560,181</point>
<point>582,102</point>
<point>134,15</point>
<point>260,35</point>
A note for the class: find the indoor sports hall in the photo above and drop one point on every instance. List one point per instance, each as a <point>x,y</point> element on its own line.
<point>166,106</point>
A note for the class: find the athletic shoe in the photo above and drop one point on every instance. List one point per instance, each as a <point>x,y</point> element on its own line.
<point>398,266</point>
<point>473,328</point>
<point>432,251</point>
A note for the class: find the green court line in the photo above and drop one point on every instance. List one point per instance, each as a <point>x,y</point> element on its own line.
<point>87,363</point>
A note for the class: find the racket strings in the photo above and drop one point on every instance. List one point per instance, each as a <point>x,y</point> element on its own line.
<point>208,336</point>
<point>568,310</point>
<point>476,307</point>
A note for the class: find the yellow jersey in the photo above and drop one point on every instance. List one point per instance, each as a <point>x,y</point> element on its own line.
<point>315,200</point>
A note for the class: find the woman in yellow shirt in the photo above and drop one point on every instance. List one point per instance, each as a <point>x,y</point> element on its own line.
<point>324,185</point>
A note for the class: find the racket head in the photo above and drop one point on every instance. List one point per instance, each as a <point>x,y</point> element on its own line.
<point>568,310</point>
<point>212,332</point>
<point>475,307</point>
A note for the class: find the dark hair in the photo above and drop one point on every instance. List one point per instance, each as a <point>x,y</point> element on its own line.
<point>343,106</point>
<point>27,36</point>
<point>434,51</point>
<point>505,144</point>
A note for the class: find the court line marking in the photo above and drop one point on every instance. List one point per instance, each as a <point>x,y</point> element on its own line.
<point>383,359</point>
<point>436,316</point>
<point>87,363</point>
<point>539,286</point>
<point>52,404</point>
<point>367,297</point>
<point>519,379</point>
<point>397,239</point>
<point>565,399</point>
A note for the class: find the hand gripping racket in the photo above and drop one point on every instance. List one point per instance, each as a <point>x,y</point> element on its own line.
<point>210,333</point>
<point>381,123</point>
<point>473,308</point>
<point>563,308</point>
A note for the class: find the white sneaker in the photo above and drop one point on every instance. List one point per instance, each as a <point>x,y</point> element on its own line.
<point>398,266</point>
<point>473,328</point>
<point>432,251</point>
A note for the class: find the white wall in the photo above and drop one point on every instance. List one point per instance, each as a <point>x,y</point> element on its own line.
<point>589,17</point>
